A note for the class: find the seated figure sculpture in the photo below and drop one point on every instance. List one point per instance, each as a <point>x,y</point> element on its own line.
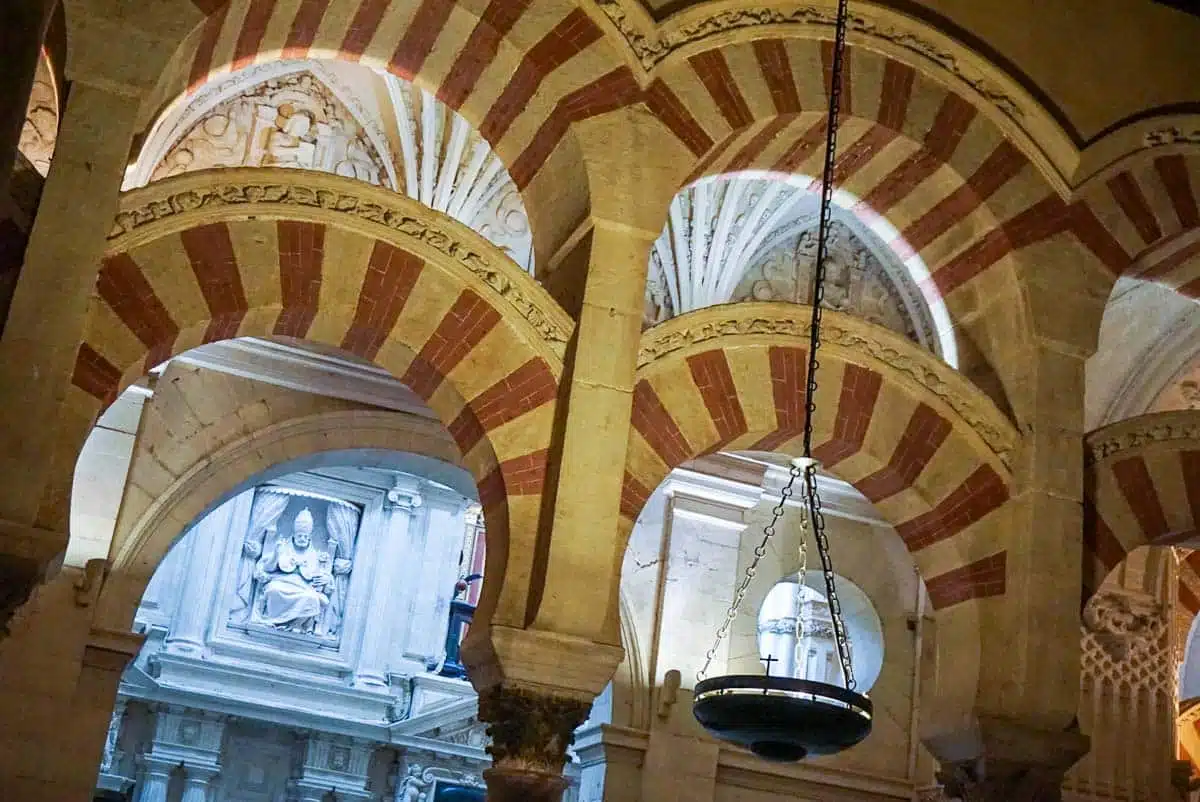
<point>296,581</point>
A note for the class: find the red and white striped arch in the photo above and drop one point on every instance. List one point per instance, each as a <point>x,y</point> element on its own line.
<point>953,188</point>
<point>521,71</point>
<point>909,450</point>
<point>411,290</point>
<point>1142,488</point>
<point>1144,219</point>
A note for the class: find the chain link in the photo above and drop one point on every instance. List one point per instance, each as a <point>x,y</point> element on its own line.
<point>816,519</point>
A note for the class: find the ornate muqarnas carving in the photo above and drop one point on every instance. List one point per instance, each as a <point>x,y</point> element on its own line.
<point>530,732</point>
<point>399,217</point>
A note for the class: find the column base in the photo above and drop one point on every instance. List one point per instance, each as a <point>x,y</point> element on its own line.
<point>523,785</point>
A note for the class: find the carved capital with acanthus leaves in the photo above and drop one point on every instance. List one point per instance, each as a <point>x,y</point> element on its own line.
<point>531,732</point>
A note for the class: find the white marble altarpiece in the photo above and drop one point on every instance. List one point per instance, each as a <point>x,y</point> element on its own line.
<point>295,640</point>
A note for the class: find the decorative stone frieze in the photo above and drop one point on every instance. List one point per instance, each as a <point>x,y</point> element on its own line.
<point>873,343</point>
<point>337,200</point>
<point>1144,430</point>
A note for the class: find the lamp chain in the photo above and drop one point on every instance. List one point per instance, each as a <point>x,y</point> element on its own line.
<point>815,517</point>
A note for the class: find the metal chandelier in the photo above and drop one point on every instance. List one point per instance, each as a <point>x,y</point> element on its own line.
<point>781,718</point>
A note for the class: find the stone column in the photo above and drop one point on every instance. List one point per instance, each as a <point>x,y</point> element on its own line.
<point>196,783</point>
<point>42,422</point>
<point>388,577</point>
<point>530,731</point>
<point>22,30</point>
<point>153,780</point>
<point>200,574</point>
<point>1031,667</point>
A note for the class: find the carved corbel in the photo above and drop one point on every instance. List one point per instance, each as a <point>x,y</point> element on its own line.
<point>88,586</point>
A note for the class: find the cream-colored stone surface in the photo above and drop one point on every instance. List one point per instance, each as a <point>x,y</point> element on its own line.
<point>1078,88</point>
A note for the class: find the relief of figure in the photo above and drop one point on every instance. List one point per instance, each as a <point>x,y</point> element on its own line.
<point>287,142</point>
<point>296,580</point>
<point>262,531</point>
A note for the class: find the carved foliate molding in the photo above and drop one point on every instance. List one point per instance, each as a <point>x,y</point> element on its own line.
<point>1125,642</point>
<point>1144,430</point>
<point>884,29</point>
<point>756,320</point>
<point>170,205</point>
<point>530,731</point>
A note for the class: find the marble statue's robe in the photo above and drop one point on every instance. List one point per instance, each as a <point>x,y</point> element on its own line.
<point>296,588</point>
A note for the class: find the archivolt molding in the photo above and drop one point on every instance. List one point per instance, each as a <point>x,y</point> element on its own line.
<point>210,478</point>
<point>905,38</point>
<point>864,342</point>
<point>1144,430</point>
<point>192,199</point>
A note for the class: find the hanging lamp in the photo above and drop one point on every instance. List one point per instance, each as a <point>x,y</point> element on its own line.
<point>781,718</point>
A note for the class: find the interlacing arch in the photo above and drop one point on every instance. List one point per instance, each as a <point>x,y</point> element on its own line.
<point>264,252</point>
<point>1142,487</point>
<point>936,465</point>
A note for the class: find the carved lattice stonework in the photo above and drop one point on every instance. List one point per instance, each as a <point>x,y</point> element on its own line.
<point>1126,643</point>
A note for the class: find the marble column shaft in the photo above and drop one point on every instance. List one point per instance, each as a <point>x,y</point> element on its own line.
<point>154,781</point>
<point>388,570</point>
<point>201,572</point>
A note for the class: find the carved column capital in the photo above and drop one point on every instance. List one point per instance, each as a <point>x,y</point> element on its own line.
<point>531,732</point>
<point>1001,760</point>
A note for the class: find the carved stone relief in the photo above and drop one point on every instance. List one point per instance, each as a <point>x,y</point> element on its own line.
<point>856,281</point>
<point>292,121</point>
<point>295,564</point>
<point>40,131</point>
<point>652,44</point>
<point>737,238</point>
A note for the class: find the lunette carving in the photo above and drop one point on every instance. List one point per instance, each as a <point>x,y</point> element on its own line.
<point>1002,442</point>
<point>651,49</point>
<point>341,202</point>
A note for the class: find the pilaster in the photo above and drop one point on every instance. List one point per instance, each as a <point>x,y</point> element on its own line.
<point>188,630</point>
<point>391,579</point>
<point>600,399</point>
<point>1031,647</point>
